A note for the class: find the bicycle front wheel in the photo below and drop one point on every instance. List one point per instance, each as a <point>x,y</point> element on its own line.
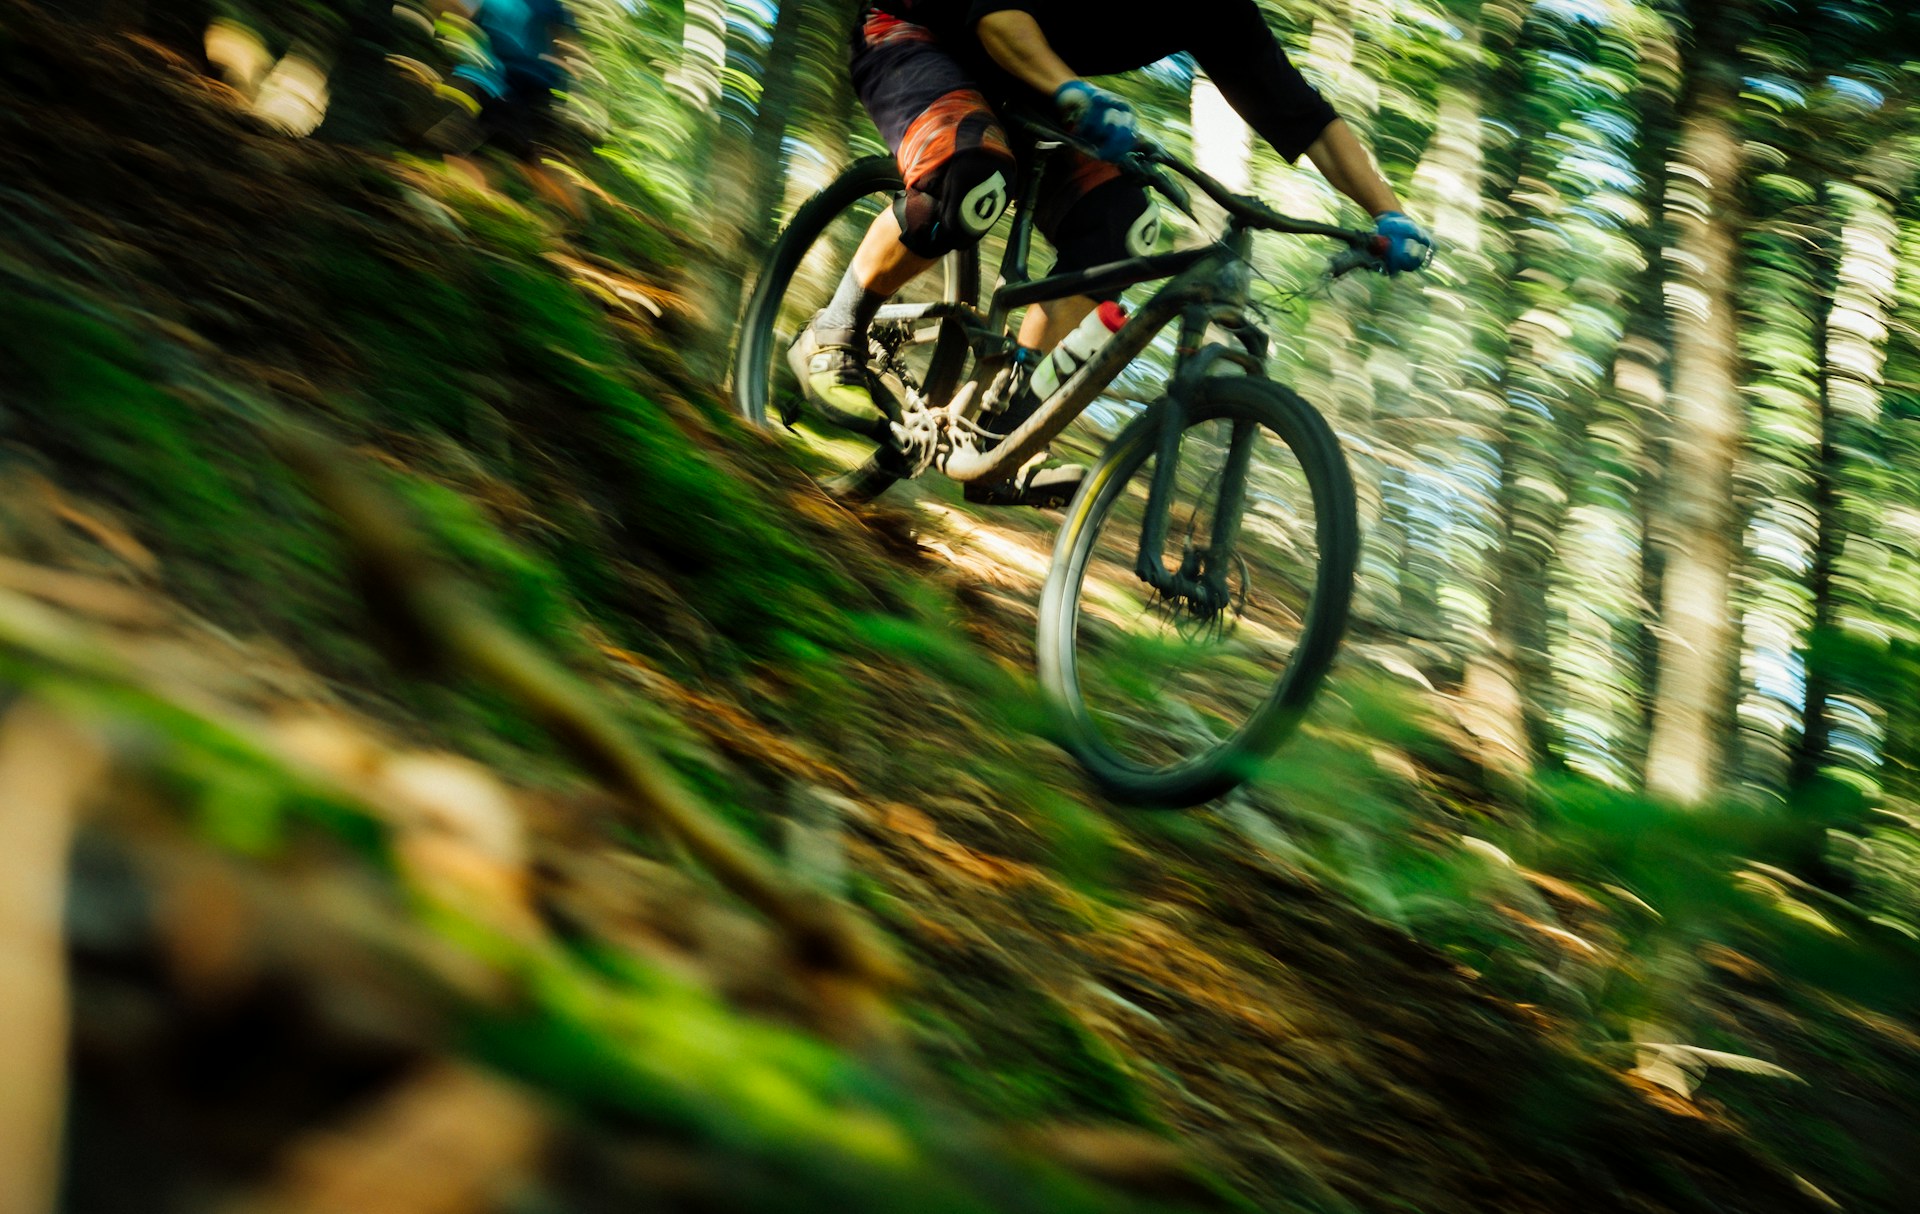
<point>798,279</point>
<point>1172,699</point>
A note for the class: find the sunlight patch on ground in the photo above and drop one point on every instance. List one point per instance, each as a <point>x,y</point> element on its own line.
<point>986,550</point>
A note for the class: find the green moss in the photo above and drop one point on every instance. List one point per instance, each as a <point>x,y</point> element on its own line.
<point>674,1060</point>
<point>234,531</point>
<point>421,340</point>
<point>525,590</point>
<point>1016,1054</point>
<point>86,389</point>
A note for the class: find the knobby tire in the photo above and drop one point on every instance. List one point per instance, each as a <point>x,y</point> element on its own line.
<point>1203,777</point>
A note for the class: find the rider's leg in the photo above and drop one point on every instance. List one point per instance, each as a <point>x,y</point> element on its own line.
<point>881,267</point>
<point>1047,323</point>
<point>958,168</point>
<point>953,156</point>
<point>948,207</point>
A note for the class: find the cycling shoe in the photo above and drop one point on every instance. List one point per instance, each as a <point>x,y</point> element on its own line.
<point>842,390</point>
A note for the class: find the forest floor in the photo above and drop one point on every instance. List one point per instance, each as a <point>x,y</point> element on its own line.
<point>344,938</point>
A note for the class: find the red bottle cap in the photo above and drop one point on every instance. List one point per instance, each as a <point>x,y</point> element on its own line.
<point>1112,315</point>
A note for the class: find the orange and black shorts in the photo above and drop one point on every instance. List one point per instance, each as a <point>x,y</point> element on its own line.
<point>933,114</point>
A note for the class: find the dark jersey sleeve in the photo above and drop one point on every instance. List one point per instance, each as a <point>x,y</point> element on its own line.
<point>1254,74</point>
<point>1229,38</point>
<point>980,8</point>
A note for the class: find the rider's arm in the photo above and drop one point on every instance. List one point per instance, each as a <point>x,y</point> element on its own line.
<point>1344,161</point>
<point>1014,41</point>
<point>1253,73</point>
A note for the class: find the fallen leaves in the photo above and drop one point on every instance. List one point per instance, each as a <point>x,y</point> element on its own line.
<point>89,596</point>
<point>1683,1068</point>
<point>459,834</point>
<point>97,525</point>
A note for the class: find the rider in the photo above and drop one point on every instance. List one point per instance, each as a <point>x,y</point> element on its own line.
<point>511,67</point>
<point>930,73</point>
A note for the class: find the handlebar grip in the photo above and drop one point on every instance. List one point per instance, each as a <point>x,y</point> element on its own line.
<point>1369,256</point>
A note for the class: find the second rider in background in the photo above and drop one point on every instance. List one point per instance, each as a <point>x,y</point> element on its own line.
<point>930,72</point>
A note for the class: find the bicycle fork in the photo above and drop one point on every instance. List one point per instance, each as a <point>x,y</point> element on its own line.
<point>1201,578</point>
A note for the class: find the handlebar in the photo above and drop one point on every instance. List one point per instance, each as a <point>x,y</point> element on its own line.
<point>1366,250</point>
<point>1371,256</point>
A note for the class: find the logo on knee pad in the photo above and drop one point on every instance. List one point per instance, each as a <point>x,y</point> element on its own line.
<point>983,204</point>
<point>1145,232</point>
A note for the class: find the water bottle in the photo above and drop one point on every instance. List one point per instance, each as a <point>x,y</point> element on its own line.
<point>1077,347</point>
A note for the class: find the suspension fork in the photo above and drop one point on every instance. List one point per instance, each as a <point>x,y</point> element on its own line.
<point>1227,512</point>
<point>1202,576</point>
<point>1150,563</point>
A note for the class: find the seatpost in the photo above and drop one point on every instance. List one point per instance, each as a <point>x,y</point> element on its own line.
<point>1013,266</point>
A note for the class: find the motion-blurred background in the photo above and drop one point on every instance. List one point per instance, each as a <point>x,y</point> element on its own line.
<point>1626,739</point>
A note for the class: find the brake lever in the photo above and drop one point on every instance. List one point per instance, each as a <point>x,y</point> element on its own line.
<point>1369,256</point>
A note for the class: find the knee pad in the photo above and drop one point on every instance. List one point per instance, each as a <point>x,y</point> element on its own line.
<point>952,207</point>
<point>1111,222</point>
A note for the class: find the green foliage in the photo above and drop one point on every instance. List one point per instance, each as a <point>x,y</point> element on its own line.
<point>529,592</point>
<point>1023,1058</point>
<point>88,395</point>
<point>99,387</point>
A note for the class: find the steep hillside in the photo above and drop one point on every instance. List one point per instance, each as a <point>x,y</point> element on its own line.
<point>354,913</point>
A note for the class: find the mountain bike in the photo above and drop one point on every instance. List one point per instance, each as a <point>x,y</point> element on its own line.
<point>1170,680</point>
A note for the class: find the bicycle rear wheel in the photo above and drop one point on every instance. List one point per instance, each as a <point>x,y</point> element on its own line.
<point>799,277</point>
<point>1166,702</point>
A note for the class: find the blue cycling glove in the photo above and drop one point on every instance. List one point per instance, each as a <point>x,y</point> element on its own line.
<point>1098,117</point>
<point>1408,245</point>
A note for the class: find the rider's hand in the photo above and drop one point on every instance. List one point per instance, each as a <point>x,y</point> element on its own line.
<point>1099,117</point>
<point>1408,245</point>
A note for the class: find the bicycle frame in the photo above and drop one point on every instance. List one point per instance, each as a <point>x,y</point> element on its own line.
<point>1208,286</point>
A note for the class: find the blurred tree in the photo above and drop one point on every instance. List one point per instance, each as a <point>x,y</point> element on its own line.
<point>1809,753</point>
<point>703,52</point>
<point>1692,704</point>
<point>803,39</point>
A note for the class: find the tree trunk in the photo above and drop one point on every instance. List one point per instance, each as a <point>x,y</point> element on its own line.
<point>1640,380</point>
<point>1462,182</point>
<point>1513,678</point>
<point>1829,530</point>
<point>703,53</point>
<point>1857,289</point>
<point>779,100</point>
<point>766,161</point>
<point>1518,610</point>
<point>1692,692</point>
